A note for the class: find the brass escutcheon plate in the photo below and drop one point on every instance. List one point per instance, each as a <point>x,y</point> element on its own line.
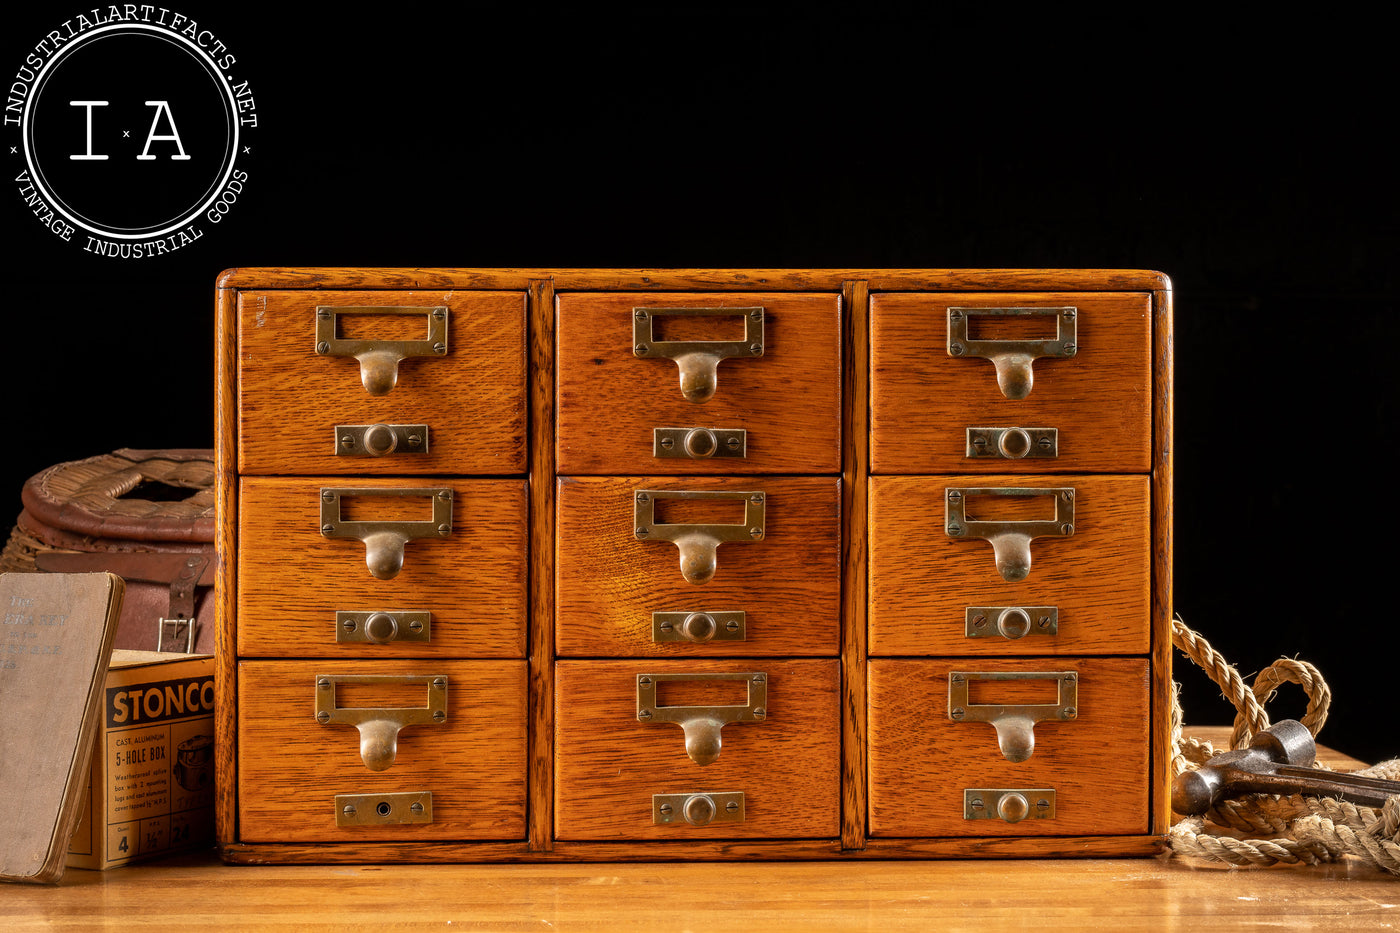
<point>1010,804</point>
<point>384,809</point>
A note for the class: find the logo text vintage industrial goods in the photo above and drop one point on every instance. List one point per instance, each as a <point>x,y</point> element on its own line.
<point>126,126</point>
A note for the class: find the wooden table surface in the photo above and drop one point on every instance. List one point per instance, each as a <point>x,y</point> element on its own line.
<point>1165,893</point>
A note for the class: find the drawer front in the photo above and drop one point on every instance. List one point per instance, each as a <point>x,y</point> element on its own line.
<point>774,410</point>
<point>924,399</point>
<point>1084,775</point>
<point>295,582</point>
<point>1085,593</point>
<point>611,580</point>
<point>292,768</point>
<point>613,756</point>
<point>303,411</point>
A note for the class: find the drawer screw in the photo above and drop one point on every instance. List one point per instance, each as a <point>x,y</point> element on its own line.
<point>980,621</point>
<point>667,627</point>
<point>760,713</point>
<point>1068,713</point>
<point>323,315</point>
<point>644,715</point>
<point>731,806</point>
<point>645,681</point>
<point>731,626</point>
<point>439,348</point>
<point>444,529</point>
<point>1044,621</point>
<point>667,809</point>
<point>327,495</point>
<point>977,804</point>
<point>956,349</point>
<point>1069,314</point>
<point>415,626</point>
<point>1042,804</point>
<point>1068,347</point>
<point>323,717</point>
<point>439,715</point>
<point>756,497</point>
<point>1044,443</point>
<point>347,441</point>
<point>755,348</point>
<point>417,808</point>
<point>440,683</point>
<point>955,314</point>
<point>414,440</point>
<point>349,810</point>
<point>759,678</point>
<point>641,315</point>
<point>955,530</point>
<point>733,443</point>
<point>755,315</point>
<point>323,348</point>
<point>957,678</point>
<point>954,495</point>
<point>959,713</point>
<point>756,532</point>
<point>445,494</point>
<point>1071,677</point>
<point>327,529</point>
<point>1067,495</point>
<point>668,443</point>
<point>641,348</point>
<point>642,532</point>
<point>1067,528</point>
<point>349,625</point>
<point>641,497</point>
<point>439,314</point>
<point>323,683</point>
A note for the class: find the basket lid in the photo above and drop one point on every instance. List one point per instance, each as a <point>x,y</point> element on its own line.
<point>137,495</point>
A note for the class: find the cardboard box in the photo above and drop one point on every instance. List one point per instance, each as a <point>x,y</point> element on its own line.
<point>151,783</point>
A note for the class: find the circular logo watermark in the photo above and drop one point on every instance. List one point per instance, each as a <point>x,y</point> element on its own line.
<point>128,124</point>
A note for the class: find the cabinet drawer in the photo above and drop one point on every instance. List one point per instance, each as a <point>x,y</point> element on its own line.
<point>613,575</point>
<point>924,399</point>
<point>1085,593</point>
<point>776,403</point>
<point>305,411</point>
<point>294,580</point>
<point>292,767</point>
<point>1090,770</point>
<point>614,750</point>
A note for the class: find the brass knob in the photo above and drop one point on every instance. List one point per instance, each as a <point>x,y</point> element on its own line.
<point>1013,808</point>
<point>1014,623</point>
<point>379,440</point>
<point>1015,443</point>
<point>699,810</point>
<point>381,628</point>
<point>699,626</point>
<point>701,443</point>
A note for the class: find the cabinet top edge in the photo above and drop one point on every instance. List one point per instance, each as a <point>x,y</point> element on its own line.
<point>643,280</point>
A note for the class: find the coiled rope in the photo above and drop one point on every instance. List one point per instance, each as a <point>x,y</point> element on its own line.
<point>1300,830</point>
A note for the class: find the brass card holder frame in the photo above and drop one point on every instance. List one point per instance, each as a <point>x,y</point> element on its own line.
<point>1013,358</point>
<point>698,360</point>
<point>1011,541</point>
<point>380,726</point>
<point>384,541</point>
<point>698,543</point>
<point>1014,723</point>
<point>379,359</point>
<point>702,724</point>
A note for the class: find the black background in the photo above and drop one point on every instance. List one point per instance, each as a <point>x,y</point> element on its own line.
<point>1249,160</point>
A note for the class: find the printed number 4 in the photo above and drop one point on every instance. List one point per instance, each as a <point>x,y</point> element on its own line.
<point>122,846</point>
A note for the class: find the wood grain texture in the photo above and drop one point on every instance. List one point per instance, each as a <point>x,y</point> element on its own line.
<point>608,583</point>
<point>855,468</point>
<point>788,400</point>
<point>922,580</point>
<point>921,760</point>
<point>541,634</point>
<point>291,767</point>
<point>472,399</point>
<point>610,764</point>
<point>1163,543</point>
<point>226,567</point>
<point>922,400</point>
<point>292,580</point>
<point>1011,280</point>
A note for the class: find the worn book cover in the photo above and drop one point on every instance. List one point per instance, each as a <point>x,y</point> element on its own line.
<point>55,642</point>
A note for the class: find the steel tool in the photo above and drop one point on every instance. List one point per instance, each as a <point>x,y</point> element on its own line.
<point>1279,760</point>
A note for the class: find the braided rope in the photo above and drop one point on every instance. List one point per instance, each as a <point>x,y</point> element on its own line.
<point>1305,830</point>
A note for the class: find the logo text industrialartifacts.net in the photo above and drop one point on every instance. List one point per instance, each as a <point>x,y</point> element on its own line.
<point>126,126</point>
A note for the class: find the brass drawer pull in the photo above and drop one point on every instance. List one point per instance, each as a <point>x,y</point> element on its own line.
<point>384,541</point>
<point>1011,541</point>
<point>702,724</point>
<point>384,809</point>
<point>379,727</point>
<point>1013,358</point>
<point>698,543</point>
<point>697,809</point>
<point>1015,724</point>
<point>699,443</point>
<point>1013,443</point>
<point>1010,804</point>
<point>383,627</point>
<point>380,440</point>
<point>379,359</point>
<point>699,626</point>
<point>698,359</point>
<point>1011,622</point>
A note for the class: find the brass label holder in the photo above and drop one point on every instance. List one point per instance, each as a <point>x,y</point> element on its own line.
<point>384,809</point>
<point>1013,358</point>
<point>698,543</point>
<point>1011,804</point>
<point>380,627</point>
<point>384,541</point>
<point>379,359</point>
<point>699,809</point>
<point>380,726</point>
<point>1011,541</point>
<point>1014,724</point>
<point>702,724</point>
<point>380,440</point>
<point>699,626</point>
<point>698,360</point>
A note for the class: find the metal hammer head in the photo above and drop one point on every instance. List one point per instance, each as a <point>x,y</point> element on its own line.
<point>1287,742</point>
